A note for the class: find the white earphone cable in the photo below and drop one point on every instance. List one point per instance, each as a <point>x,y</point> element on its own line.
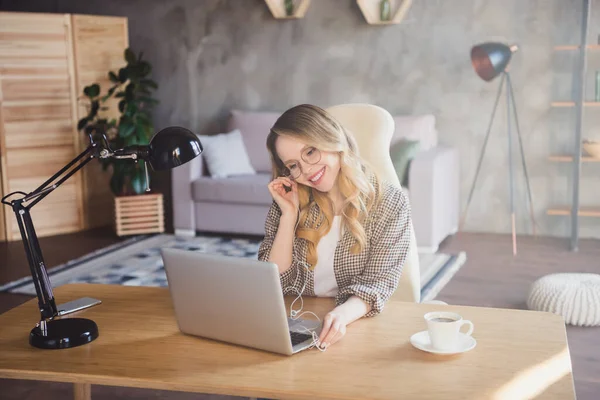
<point>296,314</point>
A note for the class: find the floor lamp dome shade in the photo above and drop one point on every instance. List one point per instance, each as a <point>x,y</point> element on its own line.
<point>172,147</point>
<point>491,59</point>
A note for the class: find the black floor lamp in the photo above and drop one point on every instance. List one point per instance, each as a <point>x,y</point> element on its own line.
<point>490,60</point>
<point>167,149</point>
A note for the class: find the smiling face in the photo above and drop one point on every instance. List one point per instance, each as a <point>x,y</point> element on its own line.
<point>303,161</point>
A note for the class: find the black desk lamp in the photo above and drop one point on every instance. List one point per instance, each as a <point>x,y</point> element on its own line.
<point>168,149</point>
<point>490,60</point>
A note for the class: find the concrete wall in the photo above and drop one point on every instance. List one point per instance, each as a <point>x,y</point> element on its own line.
<point>210,56</point>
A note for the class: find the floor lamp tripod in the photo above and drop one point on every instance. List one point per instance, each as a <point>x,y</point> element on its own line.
<point>489,61</point>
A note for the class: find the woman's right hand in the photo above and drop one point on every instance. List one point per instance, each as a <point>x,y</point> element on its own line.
<point>286,200</point>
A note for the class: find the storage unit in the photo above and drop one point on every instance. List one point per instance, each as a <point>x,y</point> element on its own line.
<point>574,210</point>
<point>140,214</point>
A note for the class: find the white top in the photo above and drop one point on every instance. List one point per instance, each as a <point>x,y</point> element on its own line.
<point>325,283</point>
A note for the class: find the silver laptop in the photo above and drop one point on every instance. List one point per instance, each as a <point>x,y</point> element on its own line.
<point>234,300</point>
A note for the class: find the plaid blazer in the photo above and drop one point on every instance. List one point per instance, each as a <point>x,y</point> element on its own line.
<point>374,273</point>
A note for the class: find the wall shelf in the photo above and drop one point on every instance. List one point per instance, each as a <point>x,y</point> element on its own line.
<point>565,211</point>
<point>565,158</point>
<point>576,47</point>
<point>573,210</point>
<point>277,8</point>
<point>371,11</point>
<point>572,104</point>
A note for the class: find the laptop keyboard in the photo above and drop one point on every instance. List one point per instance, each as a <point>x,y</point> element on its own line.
<point>299,337</point>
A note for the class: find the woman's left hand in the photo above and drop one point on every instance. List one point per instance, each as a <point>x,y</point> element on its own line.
<point>334,328</point>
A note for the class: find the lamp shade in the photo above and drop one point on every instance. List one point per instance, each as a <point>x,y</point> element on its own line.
<point>172,147</point>
<point>491,59</point>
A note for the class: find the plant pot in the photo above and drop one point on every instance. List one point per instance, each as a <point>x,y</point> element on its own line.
<point>139,214</point>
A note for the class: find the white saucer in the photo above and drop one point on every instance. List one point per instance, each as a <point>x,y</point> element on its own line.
<point>422,342</point>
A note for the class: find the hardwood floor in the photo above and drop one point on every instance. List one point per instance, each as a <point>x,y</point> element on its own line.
<point>56,250</point>
<point>491,277</point>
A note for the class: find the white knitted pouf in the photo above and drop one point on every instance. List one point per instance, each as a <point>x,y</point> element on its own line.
<point>574,296</point>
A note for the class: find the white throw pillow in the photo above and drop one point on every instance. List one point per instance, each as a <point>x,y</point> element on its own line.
<point>226,155</point>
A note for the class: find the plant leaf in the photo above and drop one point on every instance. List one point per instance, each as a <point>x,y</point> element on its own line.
<point>110,93</point>
<point>138,181</point>
<point>149,82</point>
<point>142,116</point>
<point>122,105</point>
<point>95,107</point>
<point>92,90</point>
<point>131,109</point>
<point>116,182</point>
<point>105,163</point>
<point>82,123</point>
<point>126,129</point>
<point>113,77</point>
<point>125,120</point>
<point>142,134</point>
<point>123,75</point>
<point>145,68</point>
<point>149,100</point>
<point>130,56</point>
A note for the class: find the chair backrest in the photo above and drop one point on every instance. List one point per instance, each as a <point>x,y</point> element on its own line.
<point>373,128</point>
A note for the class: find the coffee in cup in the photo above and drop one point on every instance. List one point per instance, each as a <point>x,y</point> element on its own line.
<point>442,320</point>
<point>444,328</point>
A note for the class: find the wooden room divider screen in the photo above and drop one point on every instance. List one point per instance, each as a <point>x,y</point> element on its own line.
<point>45,62</point>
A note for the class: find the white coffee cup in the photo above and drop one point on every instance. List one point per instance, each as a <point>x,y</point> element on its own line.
<point>444,328</point>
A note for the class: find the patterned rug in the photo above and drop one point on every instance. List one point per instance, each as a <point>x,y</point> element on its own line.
<point>137,262</point>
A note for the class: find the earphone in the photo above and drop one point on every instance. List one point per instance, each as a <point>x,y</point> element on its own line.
<point>296,314</point>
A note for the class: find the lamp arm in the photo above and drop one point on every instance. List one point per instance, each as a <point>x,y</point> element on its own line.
<point>177,145</point>
<point>44,190</point>
<point>21,207</point>
<point>131,153</point>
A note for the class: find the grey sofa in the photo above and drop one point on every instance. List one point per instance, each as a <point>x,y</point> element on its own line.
<point>238,205</point>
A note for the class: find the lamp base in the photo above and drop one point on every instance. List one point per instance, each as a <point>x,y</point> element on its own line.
<point>63,333</point>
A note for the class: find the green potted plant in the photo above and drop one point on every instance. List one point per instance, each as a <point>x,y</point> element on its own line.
<point>133,86</point>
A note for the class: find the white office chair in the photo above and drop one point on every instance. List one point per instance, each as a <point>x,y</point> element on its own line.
<point>373,127</point>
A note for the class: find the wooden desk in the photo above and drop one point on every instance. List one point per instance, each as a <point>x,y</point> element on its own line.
<point>519,354</point>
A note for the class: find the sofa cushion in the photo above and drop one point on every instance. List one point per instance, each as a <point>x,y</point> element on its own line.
<point>247,189</point>
<point>255,127</point>
<point>402,153</point>
<point>226,155</point>
<point>416,127</point>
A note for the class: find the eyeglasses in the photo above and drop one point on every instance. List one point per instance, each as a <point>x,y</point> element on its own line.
<point>310,155</point>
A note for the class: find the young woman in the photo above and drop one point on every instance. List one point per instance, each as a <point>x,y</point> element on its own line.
<point>334,228</point>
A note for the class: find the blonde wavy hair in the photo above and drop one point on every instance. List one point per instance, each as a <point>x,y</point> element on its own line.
<point>315,127</point>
